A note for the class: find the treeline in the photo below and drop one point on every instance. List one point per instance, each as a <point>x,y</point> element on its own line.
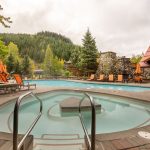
<point>23,53</point>
<point>35,45</point>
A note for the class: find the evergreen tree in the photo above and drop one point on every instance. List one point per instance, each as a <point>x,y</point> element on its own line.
<point>76,56</point>
<point>26,65</point>
<point>17,67</point>
<point>10,62</point>
<point>89,53</point>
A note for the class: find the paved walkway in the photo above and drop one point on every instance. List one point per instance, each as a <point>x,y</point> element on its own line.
<point>124,140</point>
<point>144,96</point>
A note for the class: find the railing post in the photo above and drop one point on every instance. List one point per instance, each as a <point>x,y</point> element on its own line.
<point>15,128</point>
<point>93,128</point>
<point>91,142</point>
<point>17,146</point>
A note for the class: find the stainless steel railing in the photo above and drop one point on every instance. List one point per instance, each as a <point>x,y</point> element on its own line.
<point>91,142</point>
<point>17,145</point>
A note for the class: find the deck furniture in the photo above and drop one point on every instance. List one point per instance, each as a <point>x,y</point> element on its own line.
<point>120,78</point>
<point>3,78</point>
<point>111,78</point>
<point>138,79</point>
<point>101,77</point>
<point>8,87</point>
<point>20,82</point>
<point>91,77</point>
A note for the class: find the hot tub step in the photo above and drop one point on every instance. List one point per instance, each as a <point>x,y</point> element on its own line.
<point>59,147</point>
<point>60,136</point>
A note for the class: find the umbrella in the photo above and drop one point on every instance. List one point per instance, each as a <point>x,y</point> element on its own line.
<point>138,69</point>
<point>3,68</point>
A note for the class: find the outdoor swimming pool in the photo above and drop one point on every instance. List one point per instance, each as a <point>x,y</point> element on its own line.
<point>64,83</point>
<point>117,114</point>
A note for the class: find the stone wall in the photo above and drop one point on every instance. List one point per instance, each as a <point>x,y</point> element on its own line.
<point>109,63</point>
<point>146,73</point>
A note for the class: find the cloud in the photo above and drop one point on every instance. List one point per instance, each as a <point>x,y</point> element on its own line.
<point>120,26</point>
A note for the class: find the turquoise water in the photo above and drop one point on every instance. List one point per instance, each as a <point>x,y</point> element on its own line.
<point>117,114</point>
<point>61,83</point>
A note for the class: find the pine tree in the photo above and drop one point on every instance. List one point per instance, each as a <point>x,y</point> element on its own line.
<point>89,53</point>
<point>10,62</point>
<point>26,65</point>
<point>17,67</point>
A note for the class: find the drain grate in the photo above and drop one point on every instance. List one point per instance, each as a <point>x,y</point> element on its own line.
<point>144,134</point>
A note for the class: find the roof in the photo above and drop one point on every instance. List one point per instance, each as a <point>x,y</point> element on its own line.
<point>38,71</point>
<point>145,59</point>
<point>144,65</point>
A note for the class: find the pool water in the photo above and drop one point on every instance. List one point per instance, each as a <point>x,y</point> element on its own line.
<point>117,114</point>
<point>64,83</point>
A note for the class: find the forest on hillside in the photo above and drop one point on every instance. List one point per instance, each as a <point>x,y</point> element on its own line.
<point>23,53</point>
<point>35,45</point>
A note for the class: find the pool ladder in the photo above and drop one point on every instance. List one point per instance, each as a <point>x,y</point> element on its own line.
<point>90,141</point>
<point>16,145</point>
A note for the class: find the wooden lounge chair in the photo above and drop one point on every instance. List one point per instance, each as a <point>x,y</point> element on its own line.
<point>120,78</point>
<point>101,77</point>
<point>111,78</point>
<point>91,77</point>
<point>20,82</point>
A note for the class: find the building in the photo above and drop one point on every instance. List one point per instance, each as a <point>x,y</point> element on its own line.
<point>110,63</point>
<point>107,63</point>
<point>145,64</point>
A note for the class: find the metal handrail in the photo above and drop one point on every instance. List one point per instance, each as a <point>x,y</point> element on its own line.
<point>91,142</point>
<point>17,145</point>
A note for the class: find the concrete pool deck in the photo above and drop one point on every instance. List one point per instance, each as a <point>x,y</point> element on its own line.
<point>144,96</point>
<point>124,140</point>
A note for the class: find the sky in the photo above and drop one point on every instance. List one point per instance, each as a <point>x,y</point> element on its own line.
<point>121,26</point>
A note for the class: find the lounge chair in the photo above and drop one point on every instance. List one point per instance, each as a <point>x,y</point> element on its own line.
<point>20,82</point>
<point>138,79</point>
<point>101,77</point>
<point>111,78</point>
<point>3,78</point>
<point>120,78</point>
<point>91,77</point>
